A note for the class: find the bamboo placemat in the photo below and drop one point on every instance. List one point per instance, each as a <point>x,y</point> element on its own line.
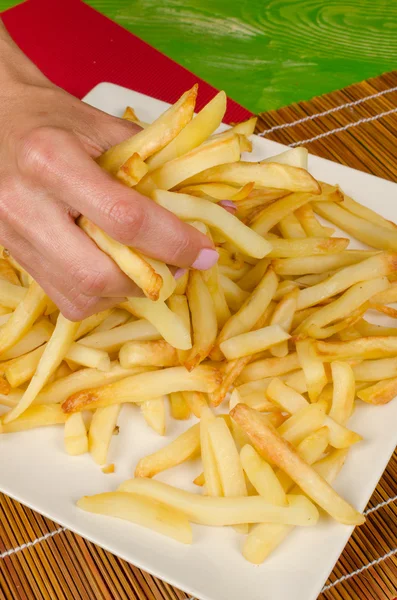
<point>39,560</point>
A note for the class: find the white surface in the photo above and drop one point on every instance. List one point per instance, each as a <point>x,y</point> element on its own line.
<point>35,470</point>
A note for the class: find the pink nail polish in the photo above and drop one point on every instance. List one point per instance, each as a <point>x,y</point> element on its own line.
<point>179,273</point>
<point>228,205</point>
<point>206,259</point>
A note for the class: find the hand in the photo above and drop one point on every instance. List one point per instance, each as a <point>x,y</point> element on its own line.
<point>48,178</point>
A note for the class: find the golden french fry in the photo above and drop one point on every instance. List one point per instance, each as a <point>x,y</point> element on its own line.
<point>116,317</point>
<point>75,435</point>
<point>89,324</point>
<point>154,413</point>
<point>193,134</point>
<point>104,420</point>
<point>302,423</point>
<point>88,357</point>
<point>210,154</point>
<point>233,274</point>
<point>307,247</point>
<point>179,305</point>
<point>11,294</point>
<point>40,333</point>
<point>130,262</point>
<point>281,453</point>
<point>180,409</point>
<point>344,391</point>
<point>245,127</point>
<point>348,302</point>
<point>191,208</point>
<point>295,157</point>
<point>290,228</point>
<point>112,340</point>
<point>145,386</point>
<point>312,367</point>
<point>132,171</point>
<point>254,399</point>
<point>204,321</point>
<point>252,309</point>
<point>262,476</point>
<point>52,357</point>
<point>317,263</point>
<point>374,370</point>
<point>142,511</point>
<point>272,214</point>
<point>227,459</point>
<point>379,393</point>
<point>35,416</point>
<point>152,354</point>
<point>365,213</point>
<point>232,260</point>
<point>213,485</point>
<point>253,341</point>
<point>361,348</point>
<point>368,232</point>
<point>211,278</point>
<point>27,312</point>
<point>167,323</point>
<point>154,137</point>
<point>234,295</point>
<point>8,273</point>
<point>250,280</point>
<point>218,191</point>
<point>283,316</point>
<point>311,226</point>
<point>5,387</point>
<point>270,367</point>
<point>376,266</point>
<point>130,115</point>
<point>285,287</point>
<point>182,448</point>
<point>265,175</point>
<point>199,480</point>
<point>196,401</point>
<point>218,512</point>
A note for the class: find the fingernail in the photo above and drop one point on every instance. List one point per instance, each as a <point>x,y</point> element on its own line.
<point>228,205</point>
<point>206,259</point>
<point>179,273</point>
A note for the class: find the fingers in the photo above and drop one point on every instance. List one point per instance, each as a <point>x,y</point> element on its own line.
<point>125,215</point>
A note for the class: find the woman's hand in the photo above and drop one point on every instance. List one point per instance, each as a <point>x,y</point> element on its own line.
<point>48,140</point>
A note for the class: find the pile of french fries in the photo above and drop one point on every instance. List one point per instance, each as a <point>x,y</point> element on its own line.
<point>274,335</point>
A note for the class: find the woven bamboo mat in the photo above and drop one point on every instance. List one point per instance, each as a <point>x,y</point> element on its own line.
<point>41,560</point>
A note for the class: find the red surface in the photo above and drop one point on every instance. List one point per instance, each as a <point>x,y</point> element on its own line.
<point>77,48</point>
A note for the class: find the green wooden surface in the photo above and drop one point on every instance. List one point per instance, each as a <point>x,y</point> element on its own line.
<point>267,53</point>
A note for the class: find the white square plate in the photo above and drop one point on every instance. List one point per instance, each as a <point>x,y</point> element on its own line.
<point>35,470</point>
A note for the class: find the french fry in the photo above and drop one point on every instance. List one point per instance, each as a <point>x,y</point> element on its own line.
<point>88,357</point>
<point>5,387</point>
<point>179,305</point>
<point>312,367</point>
<point>267,175</point>
<point>145,386</point>
<point>199,480</point>
<point>379,393</point>
<point>233,274</point>
<point>254,276</point>
<point>89,324</point>
<point>234,295</point>
<point>362,348</point>
<point>218,191</point>
<point>344,391</point>
<point>196,401</point>
<point>191,208</point>
<point>365,213</point>
<point>272,214</point>
<point>193,134</point>
<point>270,367</point>
<point>33,417</point>
<point>317,263</point>
<point>245,127</point>
<point>204,321</point>
<point>213,485</point>
<point>262,476</point>
<point>296,381</point>
<point>7,272</point>
<point>211,278</point>
<point>307,247</point>
<point>254,399</point>
<point>232,260</point>
<point>103,422</point>
<point>130,262</point>
<point>10,399</point>
<point>375,370</point>
<point>10,294</point>
<point>311,226</point>
<point>151,354</point>
<point>210,154</point>
<point>281,453</point>
<point>142,511</point>
<point>154,414</point>
<point>290,228</point>
<point>348,302</point>
<point>52,357</point>
<point>253,341</point>
<point>130,115</point>
<point>113,339</point>
<point>61,389</point>
<point>27,312</point>
<point>117,317</point>
<point>75,435</point>
<point>291,401</point>
<point>227,459</point>
<point>295,157</point>
<point>132,171</point>
<point>182,448</point>
<point>302,423</point>
<point>365,231</point>
<point>375,266</point>
<point>154,137</point>
<point>167,323</point>
<point>283,316</point>
<point>252,309</point>
<point>180,409</point>
<point>218,512</point>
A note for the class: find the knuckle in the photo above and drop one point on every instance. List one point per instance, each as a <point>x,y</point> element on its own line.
<point>126,218</point>
<point>38,150</point>
<point>88,282</point>
<point>73,313</point>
